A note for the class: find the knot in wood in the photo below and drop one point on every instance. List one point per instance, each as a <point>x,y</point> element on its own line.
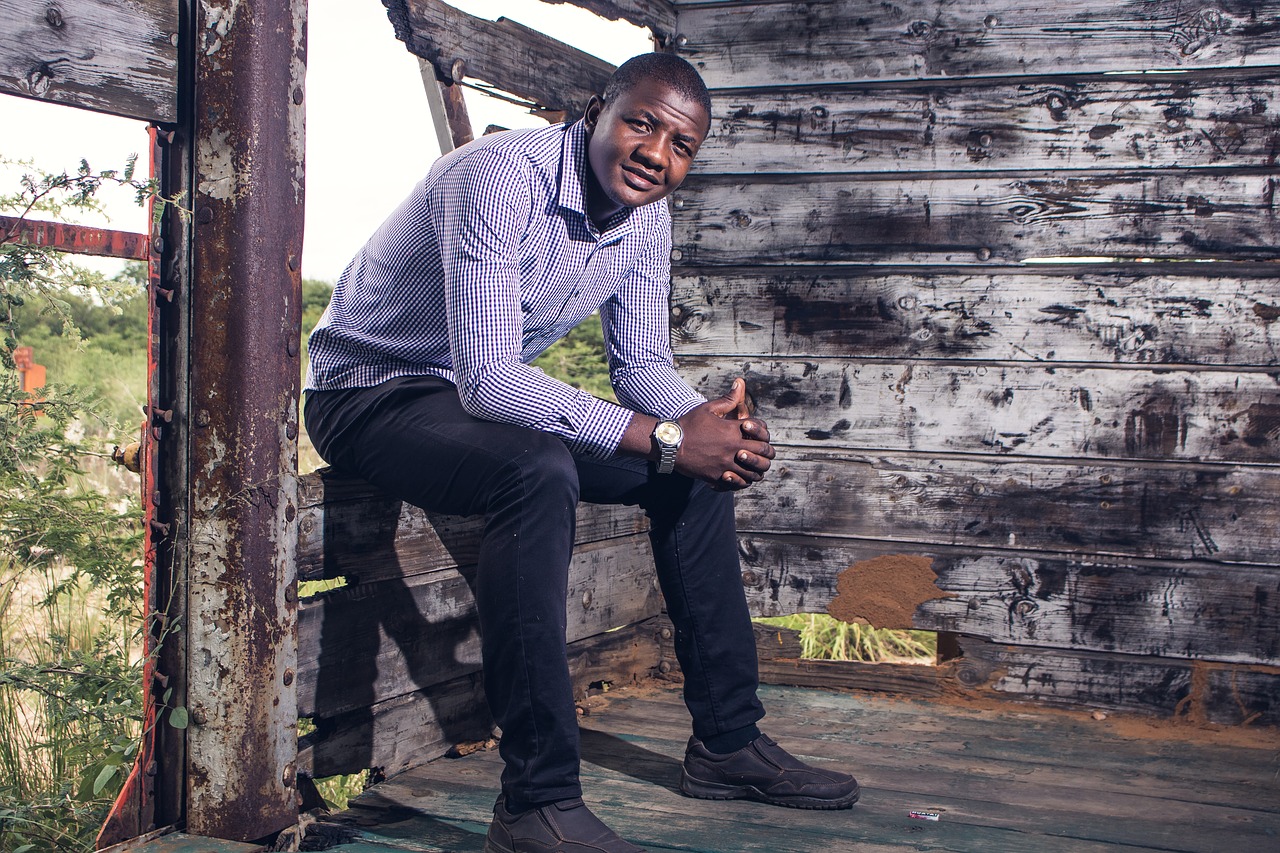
<point>970,676</point>
<point>1025,607</point>
<point>750,578</point>
<point>39,79</point>
<point>1057,106</point>
<point>920,30</point>
<point>53,17</point>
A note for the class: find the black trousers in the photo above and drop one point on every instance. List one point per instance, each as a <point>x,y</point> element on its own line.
<point>411,437</point>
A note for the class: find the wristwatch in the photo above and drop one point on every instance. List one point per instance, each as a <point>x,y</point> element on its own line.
<point>668,436</point>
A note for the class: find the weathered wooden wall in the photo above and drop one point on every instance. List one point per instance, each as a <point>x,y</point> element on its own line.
<point>389,663</point>
<point>1012,317</point>
<point>1003,279</point>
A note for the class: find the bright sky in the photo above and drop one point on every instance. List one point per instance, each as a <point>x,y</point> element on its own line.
<point>369,132</point>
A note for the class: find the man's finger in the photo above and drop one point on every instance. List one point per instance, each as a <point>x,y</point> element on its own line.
<point>732,405</point>
<point>753,462</point>
<point>755,428</point>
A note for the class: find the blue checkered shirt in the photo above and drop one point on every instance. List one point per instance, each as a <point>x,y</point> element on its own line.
<point>487,263</point>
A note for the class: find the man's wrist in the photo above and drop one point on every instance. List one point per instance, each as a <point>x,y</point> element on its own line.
<point>667,437</point>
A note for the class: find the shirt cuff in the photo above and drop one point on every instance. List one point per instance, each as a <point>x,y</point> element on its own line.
<point>601,430</point>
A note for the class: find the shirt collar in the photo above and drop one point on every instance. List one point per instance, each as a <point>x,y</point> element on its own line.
<point>573,194</point>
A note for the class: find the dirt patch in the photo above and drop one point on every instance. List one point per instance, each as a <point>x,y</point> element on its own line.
<point>885,591</point>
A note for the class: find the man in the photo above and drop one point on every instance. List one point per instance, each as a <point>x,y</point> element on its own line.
<point>420,382</point>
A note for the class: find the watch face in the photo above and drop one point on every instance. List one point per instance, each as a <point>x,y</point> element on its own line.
<point>668,432</point>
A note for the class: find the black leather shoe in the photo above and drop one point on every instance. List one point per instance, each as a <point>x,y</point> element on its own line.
<point>767,773</point>
<point>564,827</point>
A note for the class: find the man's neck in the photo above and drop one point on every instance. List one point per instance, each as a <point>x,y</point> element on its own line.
<point>600,208</point>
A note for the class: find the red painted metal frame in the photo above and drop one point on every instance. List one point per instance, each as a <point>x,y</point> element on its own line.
<point>133,812</point>
<point>77,239</point>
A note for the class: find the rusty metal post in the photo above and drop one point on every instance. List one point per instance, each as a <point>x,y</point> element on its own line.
<point>242,416</point>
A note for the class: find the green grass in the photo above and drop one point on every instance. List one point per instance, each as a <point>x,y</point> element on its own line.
<point>823,637</point>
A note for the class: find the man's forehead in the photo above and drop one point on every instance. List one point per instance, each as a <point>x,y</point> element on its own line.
<point>656,93</point>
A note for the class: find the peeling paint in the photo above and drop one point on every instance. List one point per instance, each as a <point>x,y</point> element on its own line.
<point>216,164</point>
<point>219,19</point>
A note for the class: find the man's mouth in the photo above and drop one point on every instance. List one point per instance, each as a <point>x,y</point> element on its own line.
<point>639,180</point>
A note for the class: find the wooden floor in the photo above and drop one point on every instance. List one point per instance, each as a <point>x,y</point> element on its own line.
<point>999,781</point>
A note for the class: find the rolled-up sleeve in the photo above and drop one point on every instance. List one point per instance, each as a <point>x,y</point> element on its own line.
<point>481,209</point>
<point>636,323</point>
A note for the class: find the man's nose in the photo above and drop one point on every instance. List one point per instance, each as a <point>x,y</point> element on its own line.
<point>651,153</point>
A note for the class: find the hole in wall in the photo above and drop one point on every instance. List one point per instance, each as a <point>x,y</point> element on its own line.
<point>819,636</point>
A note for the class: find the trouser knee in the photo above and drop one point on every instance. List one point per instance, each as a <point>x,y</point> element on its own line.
<point>540,477</point>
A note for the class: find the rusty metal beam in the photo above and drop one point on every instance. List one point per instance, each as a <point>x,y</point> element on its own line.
<point>77,239</point>
<point>241,413</point>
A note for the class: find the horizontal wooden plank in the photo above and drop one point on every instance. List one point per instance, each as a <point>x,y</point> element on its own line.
<point>976,220</point>
<point>506,54</point>
<point>1051,411</point>
<point>1015,316</point>
<point>399,733</point>
<point>1189,610</point>
<point>1004,779</point>
<point>657,15</point>
<point>1167,512</point>
<point>834,41</point>
<point>1197,692</point>
<point>347,528</point>
<point>359,645</point>
<point>112,56</point>
<point>1027,126</point>
<point>168,841</point>
<point>778,650</point>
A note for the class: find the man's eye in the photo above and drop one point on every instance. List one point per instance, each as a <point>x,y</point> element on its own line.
<point>638,124</point>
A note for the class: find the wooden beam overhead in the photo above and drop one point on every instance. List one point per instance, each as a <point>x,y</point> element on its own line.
<point>112,56</point>
<point>502,53</point>
<point>657,15</point>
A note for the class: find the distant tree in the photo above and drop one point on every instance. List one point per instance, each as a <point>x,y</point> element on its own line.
<point>579,359</point>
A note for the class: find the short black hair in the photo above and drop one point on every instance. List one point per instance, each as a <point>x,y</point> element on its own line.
<point>667,67</point>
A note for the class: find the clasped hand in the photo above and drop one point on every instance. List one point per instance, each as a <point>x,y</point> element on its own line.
<point>724,444</point>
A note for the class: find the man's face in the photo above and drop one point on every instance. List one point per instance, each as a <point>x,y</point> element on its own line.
<point>643,143</point>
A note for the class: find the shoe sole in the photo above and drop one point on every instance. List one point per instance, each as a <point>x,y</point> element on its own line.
<point>698,789</point>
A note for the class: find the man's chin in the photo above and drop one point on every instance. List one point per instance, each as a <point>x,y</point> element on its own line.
<point>638,198</point>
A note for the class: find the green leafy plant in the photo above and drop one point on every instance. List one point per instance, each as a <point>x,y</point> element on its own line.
<point>70,537</point>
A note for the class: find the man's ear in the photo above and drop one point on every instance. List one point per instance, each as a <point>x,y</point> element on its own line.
<point>592,113</point>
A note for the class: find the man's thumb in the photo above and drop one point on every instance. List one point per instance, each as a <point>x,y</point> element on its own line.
<point>733,404</point>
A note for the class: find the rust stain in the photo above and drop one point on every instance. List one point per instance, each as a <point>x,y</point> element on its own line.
<point>1268,313</point>
<point>885,591</point>
<point>1193,708</point>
